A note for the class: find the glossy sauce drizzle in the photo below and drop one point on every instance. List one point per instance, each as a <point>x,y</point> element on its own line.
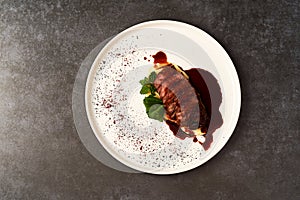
<point>160,57</point>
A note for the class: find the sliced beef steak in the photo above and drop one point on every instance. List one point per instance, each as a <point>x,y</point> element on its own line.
<point>181,101</point>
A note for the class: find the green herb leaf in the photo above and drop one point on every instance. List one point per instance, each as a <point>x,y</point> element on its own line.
<point>150,101</point>
<point>144,81</point>
<point>146,89</point>
<point>157,112</point>
<point>154,105</point>
<point>149,79</point>
<point>152,77</point>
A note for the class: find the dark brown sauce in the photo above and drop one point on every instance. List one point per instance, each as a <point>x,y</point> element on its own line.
<point>207,85</point>
<point>210,93</point>
<point>160,57</point>
<point>177,131</point>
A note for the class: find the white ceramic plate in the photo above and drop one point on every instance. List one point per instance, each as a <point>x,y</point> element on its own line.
<point>115,108</point>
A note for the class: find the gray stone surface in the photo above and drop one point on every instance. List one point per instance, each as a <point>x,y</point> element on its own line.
<point>42,46</point>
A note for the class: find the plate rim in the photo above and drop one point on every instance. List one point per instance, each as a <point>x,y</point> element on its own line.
<point>147,24</point>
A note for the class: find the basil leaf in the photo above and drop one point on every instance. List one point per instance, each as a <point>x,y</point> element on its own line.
<point>144,81</point>
<point>152,89</point>
<point>153,104</point>
<point>152,77</point>
<point>146,89</point>
<point>150,101</point>
<point>149,79</point>
<point>157,112</point>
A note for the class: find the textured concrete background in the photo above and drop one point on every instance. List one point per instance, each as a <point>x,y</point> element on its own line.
<point>42,46</point>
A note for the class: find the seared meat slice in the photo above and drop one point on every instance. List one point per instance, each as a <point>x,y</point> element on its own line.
<point>181,101</point>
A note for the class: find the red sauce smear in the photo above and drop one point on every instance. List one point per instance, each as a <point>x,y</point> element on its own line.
<point>160,57</point>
